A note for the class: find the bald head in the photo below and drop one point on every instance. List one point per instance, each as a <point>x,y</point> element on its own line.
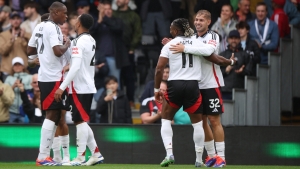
<point>34,82</point>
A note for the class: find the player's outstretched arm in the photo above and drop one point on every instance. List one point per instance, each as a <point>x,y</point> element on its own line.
<point>220,60</point>
<point>204,50</point>
<point>76,62</point>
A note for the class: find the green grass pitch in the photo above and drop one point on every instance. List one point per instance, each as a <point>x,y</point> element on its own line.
<point>135,166</point>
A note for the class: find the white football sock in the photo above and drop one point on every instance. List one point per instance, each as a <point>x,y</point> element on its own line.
<point>91,143</point>
<point>81,139</point>
<point>65,142</point>
<point>199,140</point>
<point>220,147</point>
<point>56,148</point>
<point>46,138</point>
<point>210,148</point>
<point>167,135</point>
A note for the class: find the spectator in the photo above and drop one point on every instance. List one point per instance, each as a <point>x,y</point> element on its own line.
<point>109,44</point>
<point>243,13</point>
<point>249,45</point>
<point>72,20</point>
<point>2,3</point>
<point>224,25</point>
<point>132,32</point>
<point>6,99</point>
<point>234,76</point>
<point>113,104</point>
<point>32,107</point>
<point>65,28</point>
<point>18,77</point>
<point>151,109</point>
<point>131,5</point>
<point>13,43</point>
<point>33,18</point>
<point>4,18</point>
<point>264,32</point>
<point>148,91</point>
<point>156,15</point>
<point>101,71</point>
<point>83,6</point>
<point>280,18</point>
<point>289,8</point>
<point>213,6</point>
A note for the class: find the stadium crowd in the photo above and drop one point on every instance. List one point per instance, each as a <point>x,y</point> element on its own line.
<point>128,38</point>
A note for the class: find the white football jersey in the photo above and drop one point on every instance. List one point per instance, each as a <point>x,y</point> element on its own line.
<point>84,47</point>
<point>45,36</point>
<point>182,66</point>
<point>211,73</point>
<point>66,58</point>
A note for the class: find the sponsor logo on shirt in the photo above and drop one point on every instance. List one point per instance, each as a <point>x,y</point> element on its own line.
<point>212,42</point>
<point>75,50</point>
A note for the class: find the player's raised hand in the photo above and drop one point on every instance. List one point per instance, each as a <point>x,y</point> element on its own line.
<point>68,42</point>
<point>178,48</point>
<point>57,95</point>
<point>164,41</point>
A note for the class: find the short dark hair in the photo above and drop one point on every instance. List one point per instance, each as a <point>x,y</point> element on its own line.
<point>86,20</point>
<point>230,6</point>
<point>167,66</point>
<point>73,15</point>
<point>110,78</point>
<point>262,4</point>
<point>242,25</point>
<point>56,5</point>
<point>45,16</point>
<point>31,4</point>
<point>106,2</point>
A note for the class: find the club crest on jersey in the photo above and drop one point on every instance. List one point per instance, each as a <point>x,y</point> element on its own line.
<point>204,41</point>
<point>212,42</point>
<point>75,50</point>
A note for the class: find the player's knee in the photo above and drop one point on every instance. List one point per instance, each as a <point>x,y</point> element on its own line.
<point>62,121</point>
<point>214,120</point>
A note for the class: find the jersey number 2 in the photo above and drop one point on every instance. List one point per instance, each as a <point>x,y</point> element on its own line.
<point>93,59</point>
<point>184,60</point>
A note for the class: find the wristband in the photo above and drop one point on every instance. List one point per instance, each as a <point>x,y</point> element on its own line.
<point>156,90</point>
<point>232,62</point>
